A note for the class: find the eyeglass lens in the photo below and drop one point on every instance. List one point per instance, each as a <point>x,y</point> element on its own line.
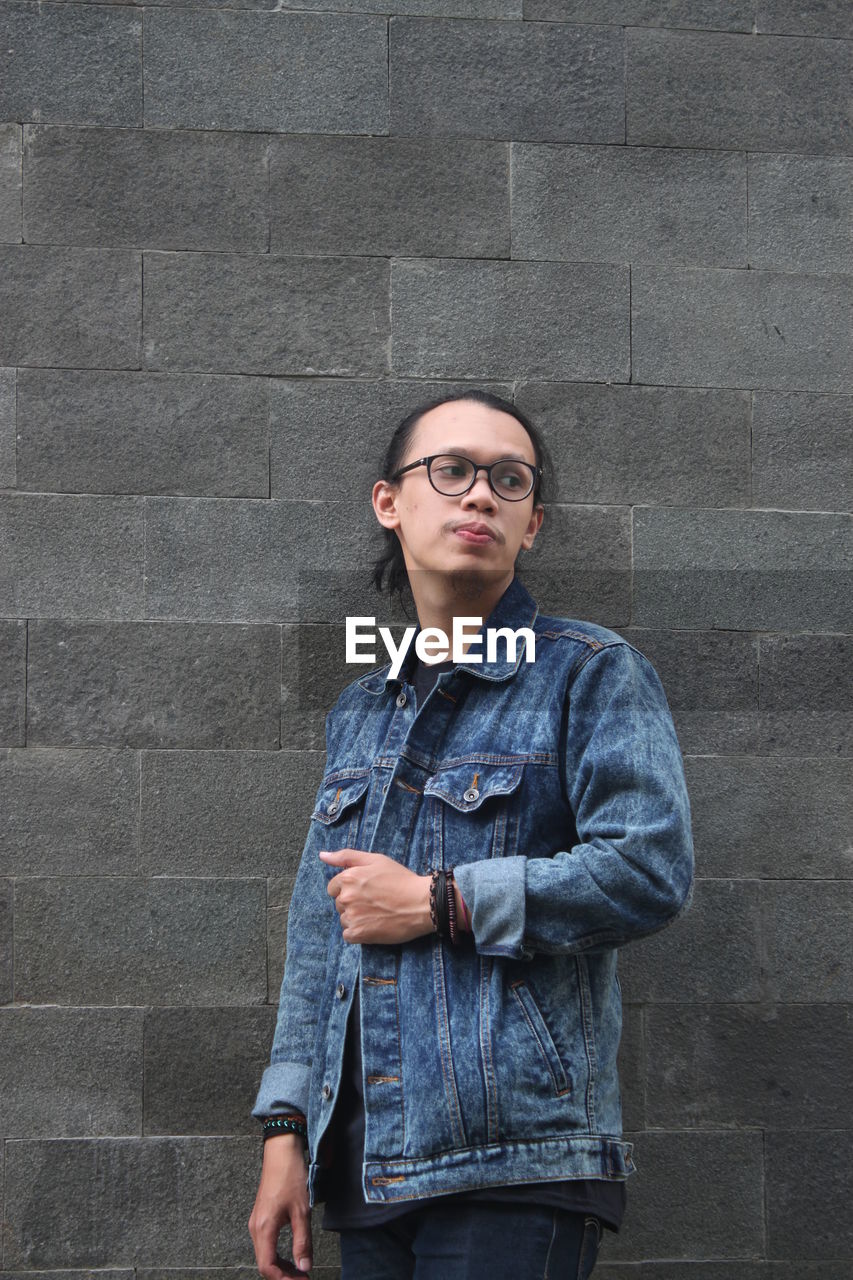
<point>452,474</point>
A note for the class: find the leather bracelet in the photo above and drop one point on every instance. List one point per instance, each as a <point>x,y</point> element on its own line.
<point>433,901</point>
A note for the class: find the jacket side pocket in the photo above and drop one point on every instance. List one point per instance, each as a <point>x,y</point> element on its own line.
<point>542,1036</point>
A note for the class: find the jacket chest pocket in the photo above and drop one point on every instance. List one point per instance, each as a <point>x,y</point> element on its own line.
<point>340,808</point>
<point>478,809</point>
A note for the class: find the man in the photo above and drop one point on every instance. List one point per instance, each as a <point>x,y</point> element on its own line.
<point>447,1042</point>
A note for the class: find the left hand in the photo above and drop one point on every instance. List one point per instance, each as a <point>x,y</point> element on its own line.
<point>378,899</point>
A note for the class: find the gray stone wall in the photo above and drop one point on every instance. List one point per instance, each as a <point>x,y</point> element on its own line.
<point>237,243</point>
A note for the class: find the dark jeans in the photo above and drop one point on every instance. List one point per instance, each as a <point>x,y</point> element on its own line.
<point>474,1242</point>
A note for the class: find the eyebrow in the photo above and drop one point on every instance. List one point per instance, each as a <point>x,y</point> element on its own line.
<point>504,457</point>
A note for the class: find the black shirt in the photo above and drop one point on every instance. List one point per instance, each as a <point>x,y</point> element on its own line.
<point>345,1204</point>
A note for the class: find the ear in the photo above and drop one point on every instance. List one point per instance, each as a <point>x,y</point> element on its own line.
<point>533,527</point>
<point>384,498</point>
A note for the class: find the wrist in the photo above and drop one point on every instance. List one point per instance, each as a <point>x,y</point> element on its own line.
<point>426,912</point>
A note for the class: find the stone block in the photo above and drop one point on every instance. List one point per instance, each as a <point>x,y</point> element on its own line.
<point>581,568</point>
<point>701,327</point>
<point>771,818</point>
<point>643,445</point>
<point>286,72</point>
<point>732,15</point>
<point>234,560</point>
<point>735,1269</point>
<point>807,1182</point>
<point>224,313</point>
<point>513,80</point>
<point>465,319</point>
<point>768,570</point>
<point>801,213</point>
<point>126,940</point>
<point>748,1066</point>
<point>309,419</point>
<point>112,1201</point>
<point>409,197</point>
<point>695,1194</point>
<point>806,694</point>
<point>817,18</point>
<point>801,453</point>
<point>276,951</point>
<point>13,683</point>
<point>70,1072</point>
<point>78,308</point>
<point>95,431</point>
<point>631,1068</point>
<point>226,813</point>
<point>203,1067</point>
<point>8,464</point>
<point>151,188</point>
<point>710,954</point>
<point>314,671</point>
<point>629,204</point>
<point>340,585</point>
<point>808,939</point>
<point>738,91</point>
<point>153,684</point>
<point>6,948</point>
<point>10,183</point>
<point>74,812</point>
<point>71,555</point>
<point>74,63</point>
<point>711,684</point>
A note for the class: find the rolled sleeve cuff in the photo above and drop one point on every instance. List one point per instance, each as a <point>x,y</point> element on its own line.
<point>494,894</point>
<point>284,1086</point>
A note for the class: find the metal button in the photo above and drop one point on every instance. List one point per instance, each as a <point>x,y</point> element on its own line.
<point>333,808</point>
<point>326,1091</point>
<point>340,991</point>
<point>471,794</point>
<point>401,699</point>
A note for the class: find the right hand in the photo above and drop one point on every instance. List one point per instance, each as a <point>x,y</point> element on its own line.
<point>282,1198</point>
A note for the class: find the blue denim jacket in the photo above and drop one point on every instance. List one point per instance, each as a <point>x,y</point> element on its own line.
<point>555,789</point>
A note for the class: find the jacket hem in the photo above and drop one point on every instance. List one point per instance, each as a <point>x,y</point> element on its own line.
<point>498,1164</point>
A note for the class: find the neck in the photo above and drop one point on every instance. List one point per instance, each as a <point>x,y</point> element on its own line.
<point>441,597</point>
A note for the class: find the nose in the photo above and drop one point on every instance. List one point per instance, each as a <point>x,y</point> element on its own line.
<point>480,494</point>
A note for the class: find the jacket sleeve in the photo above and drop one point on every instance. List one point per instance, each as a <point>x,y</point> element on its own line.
<point>285,1082</point>
<point>631,873</point>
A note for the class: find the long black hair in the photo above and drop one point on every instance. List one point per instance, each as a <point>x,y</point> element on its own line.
<point>390,563</point>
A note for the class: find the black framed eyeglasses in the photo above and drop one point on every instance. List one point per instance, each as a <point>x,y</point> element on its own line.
<point>453,474</point>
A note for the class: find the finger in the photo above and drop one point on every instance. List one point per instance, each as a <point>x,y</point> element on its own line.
<point>346,857</point>
<point>302,1251</point>
<point>270,1264</point>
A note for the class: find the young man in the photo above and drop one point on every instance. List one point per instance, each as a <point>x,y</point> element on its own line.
<point>487,834</point>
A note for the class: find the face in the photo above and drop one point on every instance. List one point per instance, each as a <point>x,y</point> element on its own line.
<point>429,524</point>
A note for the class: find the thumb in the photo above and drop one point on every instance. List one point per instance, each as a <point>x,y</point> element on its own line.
<point>346,857</point>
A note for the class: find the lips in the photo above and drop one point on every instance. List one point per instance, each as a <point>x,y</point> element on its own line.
<point>475,531</point>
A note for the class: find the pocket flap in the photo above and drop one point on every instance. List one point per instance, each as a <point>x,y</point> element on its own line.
<point>338,795</point>
<point>467,786</point>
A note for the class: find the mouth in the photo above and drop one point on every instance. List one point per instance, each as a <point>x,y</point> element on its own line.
<point>474,533</point>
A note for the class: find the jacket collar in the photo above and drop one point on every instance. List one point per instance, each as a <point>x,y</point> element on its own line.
<point>516,608</point>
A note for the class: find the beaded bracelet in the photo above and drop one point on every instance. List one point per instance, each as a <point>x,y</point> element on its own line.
<point>451,907</point>
<point>285,1124</point>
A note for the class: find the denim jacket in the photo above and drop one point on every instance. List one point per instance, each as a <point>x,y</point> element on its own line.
<point>555,789</point>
